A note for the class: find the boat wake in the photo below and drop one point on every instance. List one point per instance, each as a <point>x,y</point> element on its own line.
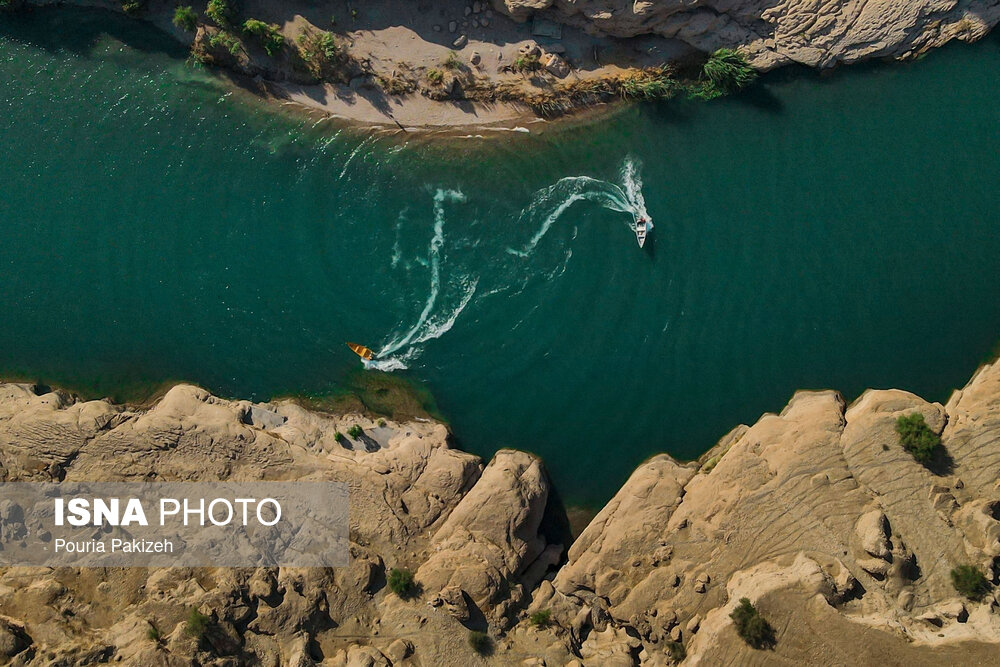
<point>550,203</point>
<point>432,323</point>
<point>452,291</point>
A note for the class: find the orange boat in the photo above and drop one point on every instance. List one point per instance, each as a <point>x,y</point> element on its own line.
<point>362,351</point>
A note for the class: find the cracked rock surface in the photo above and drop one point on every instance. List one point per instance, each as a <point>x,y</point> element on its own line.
<point>818,33</point>
<point>816,514</point>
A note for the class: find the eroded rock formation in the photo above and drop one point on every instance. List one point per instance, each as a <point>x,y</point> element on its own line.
<point>816,514</point>
<point>818,33</point>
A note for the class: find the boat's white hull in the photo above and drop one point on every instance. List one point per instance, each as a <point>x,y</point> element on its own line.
<point>641,231</point>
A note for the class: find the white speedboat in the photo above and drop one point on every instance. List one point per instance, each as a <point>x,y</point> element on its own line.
<point>642,227</point>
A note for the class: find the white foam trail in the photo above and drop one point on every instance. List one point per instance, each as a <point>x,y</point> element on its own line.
<point>572,189</point>
<point>426,327</point>
<point>547,206</point>
<point>440,326</point>
<point>632,184</point>
<point>351,157</point>
<point>397,252</point>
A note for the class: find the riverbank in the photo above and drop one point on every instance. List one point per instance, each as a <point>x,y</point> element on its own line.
<point>865,552</point>
<point>243,247</point>
<point>483,67</point>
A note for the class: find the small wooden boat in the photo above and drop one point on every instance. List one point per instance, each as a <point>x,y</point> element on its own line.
<point>642,227</point>
<point>365,353</point>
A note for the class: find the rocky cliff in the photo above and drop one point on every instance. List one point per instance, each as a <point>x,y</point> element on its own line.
<point>816,515</point>
<point>818,33</point>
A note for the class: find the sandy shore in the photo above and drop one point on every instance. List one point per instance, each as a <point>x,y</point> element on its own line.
<point>391,39</point>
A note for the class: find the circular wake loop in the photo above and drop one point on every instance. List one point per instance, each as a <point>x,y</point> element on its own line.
<point>448,296</point>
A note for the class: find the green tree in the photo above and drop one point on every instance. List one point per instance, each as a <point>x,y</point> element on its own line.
<point>917,438</point>
<point>401,582</point>
<point>226,40</point>
<point>751,626</point>
<point>970,582</point>
<point>186,18</point>
<point>268,35</point>
<point>726,71</point>
<point>221,12</point>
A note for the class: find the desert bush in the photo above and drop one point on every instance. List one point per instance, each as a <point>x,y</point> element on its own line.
<point>677,651</point>
<point>185,18</point>
<point>319,51</point>
<point>267,34</point>
<point>197,623</point>
<point>355,431</point>
<point>435,76</point>
<point>970,582</point>
<point>452,61</point>
<point>527,62</point>
<point>396,85</point>
<point>401,582</point>
<point>917,438</point>
<point>751,626</point>
<point>480,642</point>
<point>541,618</point>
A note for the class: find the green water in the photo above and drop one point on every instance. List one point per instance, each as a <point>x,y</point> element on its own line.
<point>817,232</point>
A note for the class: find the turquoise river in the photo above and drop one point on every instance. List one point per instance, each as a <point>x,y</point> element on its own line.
<point>819,231</point>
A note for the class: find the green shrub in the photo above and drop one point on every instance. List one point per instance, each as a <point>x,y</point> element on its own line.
<point>726,71</point>
<point>381,423</point>
<point>970,582</point>
<point>319,51</point>
<point>677,651</point>
<point>654,83</point>
<point>480,642</point>
<point>185,18</point>
<point>153,633</point>
<point>197,623</point>
<point>221,12</point>
<point>401,582</point>
<point>339,437</point>
<point>355,431</point>
<point>435,76</point>
<point>541,618</point>
<point>527,63</point>
<point>917,438</point>
<point>226,40</point>
<point>751,626</point>
<point>132,7</point>
<point>267,34</point>
<point>452,61</point>
<point>396,85</point>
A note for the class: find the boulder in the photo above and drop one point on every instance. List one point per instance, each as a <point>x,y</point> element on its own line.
<point>556,66</point>
<point>493,536</point>
<point>873,532</point>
